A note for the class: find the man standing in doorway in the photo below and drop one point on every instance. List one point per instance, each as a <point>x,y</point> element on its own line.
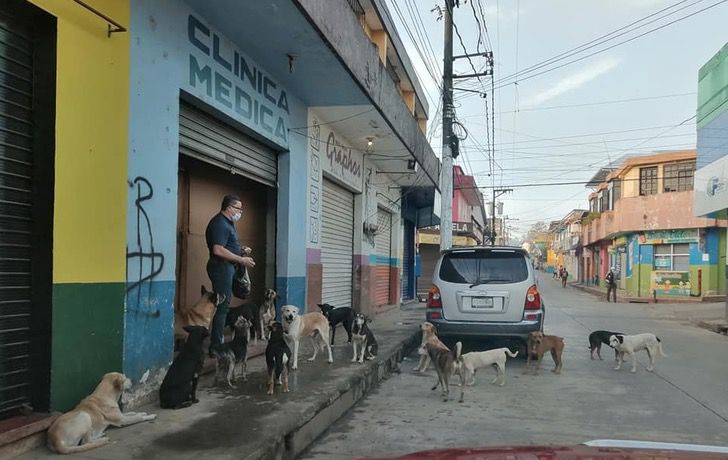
<point>225,253</point>
<point>611,285</point>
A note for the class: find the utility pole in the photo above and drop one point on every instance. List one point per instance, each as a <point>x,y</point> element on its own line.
<point>447,116</point>
<point>496,193</point>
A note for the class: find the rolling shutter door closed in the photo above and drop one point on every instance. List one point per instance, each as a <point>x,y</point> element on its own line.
<point>337,245</point>
<point>429,253</point>
<point>16,213</point>
<point>208,139</point>
<point>382,244</point>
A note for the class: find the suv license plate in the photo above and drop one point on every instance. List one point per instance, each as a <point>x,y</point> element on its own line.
<point>482,302</point>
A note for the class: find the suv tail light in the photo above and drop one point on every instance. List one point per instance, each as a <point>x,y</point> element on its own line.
<point>533,299</point>
<point>434,303</point>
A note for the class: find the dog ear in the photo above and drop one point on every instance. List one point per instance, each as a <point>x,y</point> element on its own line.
<point>118,381</point>
<point>620,338</point>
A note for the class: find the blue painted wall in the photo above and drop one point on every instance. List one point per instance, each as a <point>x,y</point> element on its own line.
<point>173,50</point>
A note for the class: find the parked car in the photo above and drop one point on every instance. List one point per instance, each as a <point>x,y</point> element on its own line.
<point>485,292</point>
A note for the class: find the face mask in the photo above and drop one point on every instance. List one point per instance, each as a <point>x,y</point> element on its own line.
<point>236,217</point>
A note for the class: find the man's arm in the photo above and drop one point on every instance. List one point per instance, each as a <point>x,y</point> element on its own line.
<point>223,253</point>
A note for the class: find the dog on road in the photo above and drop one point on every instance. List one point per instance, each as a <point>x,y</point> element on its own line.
<point>597,338</point>
<point>364,337</point>
<point>629,344</point>
<point>538,345</point>
<point>277,358</point>
<point>343,315</point>
<point>429,335</point>
<point>471,362</point>
<point>314,325</point>
<point>444,361</point>
<point>84,427</point>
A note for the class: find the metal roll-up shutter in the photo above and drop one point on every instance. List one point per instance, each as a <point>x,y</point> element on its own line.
<point>16,213</point>
<point>429,254</point>
<point>208,139</point>
<point>337,245</point>
<point>383,249</point>
<point>408,260</point>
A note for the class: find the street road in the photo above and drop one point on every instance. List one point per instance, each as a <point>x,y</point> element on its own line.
<point>685,400</point>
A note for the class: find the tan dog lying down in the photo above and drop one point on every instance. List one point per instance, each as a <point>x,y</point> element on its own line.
<point>199,314</point>
<point>83,428</point>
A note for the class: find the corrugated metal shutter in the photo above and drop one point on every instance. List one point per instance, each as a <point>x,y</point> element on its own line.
<point>408,260</point>
<point>208,139</point>
<point>429,253</point>
<point>16,184</point>
<point>383,249</point>
<point>337,245</point>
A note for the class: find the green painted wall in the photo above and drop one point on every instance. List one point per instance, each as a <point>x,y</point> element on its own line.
<point>713,88</point>
<point>88,321</point>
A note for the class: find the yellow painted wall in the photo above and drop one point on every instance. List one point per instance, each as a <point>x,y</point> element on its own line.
<point>92,110</point>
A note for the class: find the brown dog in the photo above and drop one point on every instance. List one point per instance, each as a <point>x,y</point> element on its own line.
<point>314,325</point>
<point>429,335</point>
<point>200,314</point>
<point>444,361</point>
<point>267,312</point>
<point>539,344</point>
<point>83,428</point>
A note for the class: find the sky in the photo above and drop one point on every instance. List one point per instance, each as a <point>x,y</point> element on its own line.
<point>562,125</point>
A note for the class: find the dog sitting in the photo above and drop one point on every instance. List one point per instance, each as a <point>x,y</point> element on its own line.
<point>179,387</point>
<point>471,362</point>
<point>429,335</point>
<point>539,344</point>
<point>313,325</point>
<point>267,312</point>
<point>444,361</point>
<point>277,358</point>
<point>629,344</point>
<point>249,311</point>
<point>343,315</point>
<point>232,353</point>
<point>364,337</point>
<point>597,338</point>
<point>83,428</point>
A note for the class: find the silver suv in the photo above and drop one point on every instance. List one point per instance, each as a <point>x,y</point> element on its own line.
<point>485,292</point>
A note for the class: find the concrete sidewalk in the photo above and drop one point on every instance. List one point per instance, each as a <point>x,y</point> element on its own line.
<point>247,423</point>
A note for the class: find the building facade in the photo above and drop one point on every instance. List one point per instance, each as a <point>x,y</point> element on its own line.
<point>126,139</point>
<point>641,223</point>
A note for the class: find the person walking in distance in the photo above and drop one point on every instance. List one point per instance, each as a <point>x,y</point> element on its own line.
<point>611,285</point>
<point>225,254</point>
<point>564,277</point>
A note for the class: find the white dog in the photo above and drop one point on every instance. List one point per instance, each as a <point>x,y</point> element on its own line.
<point>83,428</point>
<point>314,325</point>
<point>471,362</point>
<point>629,344</point>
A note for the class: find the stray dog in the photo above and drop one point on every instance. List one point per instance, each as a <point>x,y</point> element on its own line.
<point>444,361</point>
<point>429,335</point>
<point>343,315</point>
<point>267,312</point>
<point>597,338</point>
<point>232,353</point>
<point>249,311</point>
<point>471,362</point>
<point>200,314</point>
<point>179,387</point>
<point>630,343</point>
<point>363,337</point>
<point>313,325</point>
<point>277,358</point>
<point>539,344</point>
<point>83,428</point>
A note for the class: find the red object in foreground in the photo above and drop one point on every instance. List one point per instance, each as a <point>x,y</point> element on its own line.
<point>556,453</point>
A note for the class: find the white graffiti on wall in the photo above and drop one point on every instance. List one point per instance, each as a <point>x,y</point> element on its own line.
<point>314,175</point>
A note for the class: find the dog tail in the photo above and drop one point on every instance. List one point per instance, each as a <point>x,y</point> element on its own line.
<point>659,347</point>
<point>511,354</point>
<point>458,350</point>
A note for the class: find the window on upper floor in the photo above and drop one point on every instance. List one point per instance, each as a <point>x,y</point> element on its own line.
<point>679,177</point>
<point>616,191</point>
<point>648,181</point>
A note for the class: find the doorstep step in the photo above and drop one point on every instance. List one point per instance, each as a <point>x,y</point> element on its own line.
<point>23,433</point>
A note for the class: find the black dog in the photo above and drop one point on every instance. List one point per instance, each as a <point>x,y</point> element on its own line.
<point>343,315</point>
<point>232,353</point>
<point>249,311</point>
<point>364,338</point>
<point>597,338</point>
<point>179,387</point>
<point>277,358</point>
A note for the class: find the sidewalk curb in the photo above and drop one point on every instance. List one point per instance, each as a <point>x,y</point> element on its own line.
<point>292,439</point>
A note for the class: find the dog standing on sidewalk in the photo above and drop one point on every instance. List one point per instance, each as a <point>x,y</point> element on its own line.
<point>232,353</point>
<point>277,358</point>
<point>364,337</point>
<point>429,335</point>
<point>471,362</point>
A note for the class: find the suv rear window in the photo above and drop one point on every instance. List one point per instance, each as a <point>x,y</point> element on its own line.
<point>486,267</point>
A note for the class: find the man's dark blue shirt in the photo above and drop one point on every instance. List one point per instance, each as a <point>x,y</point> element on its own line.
<point>221,230</point>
